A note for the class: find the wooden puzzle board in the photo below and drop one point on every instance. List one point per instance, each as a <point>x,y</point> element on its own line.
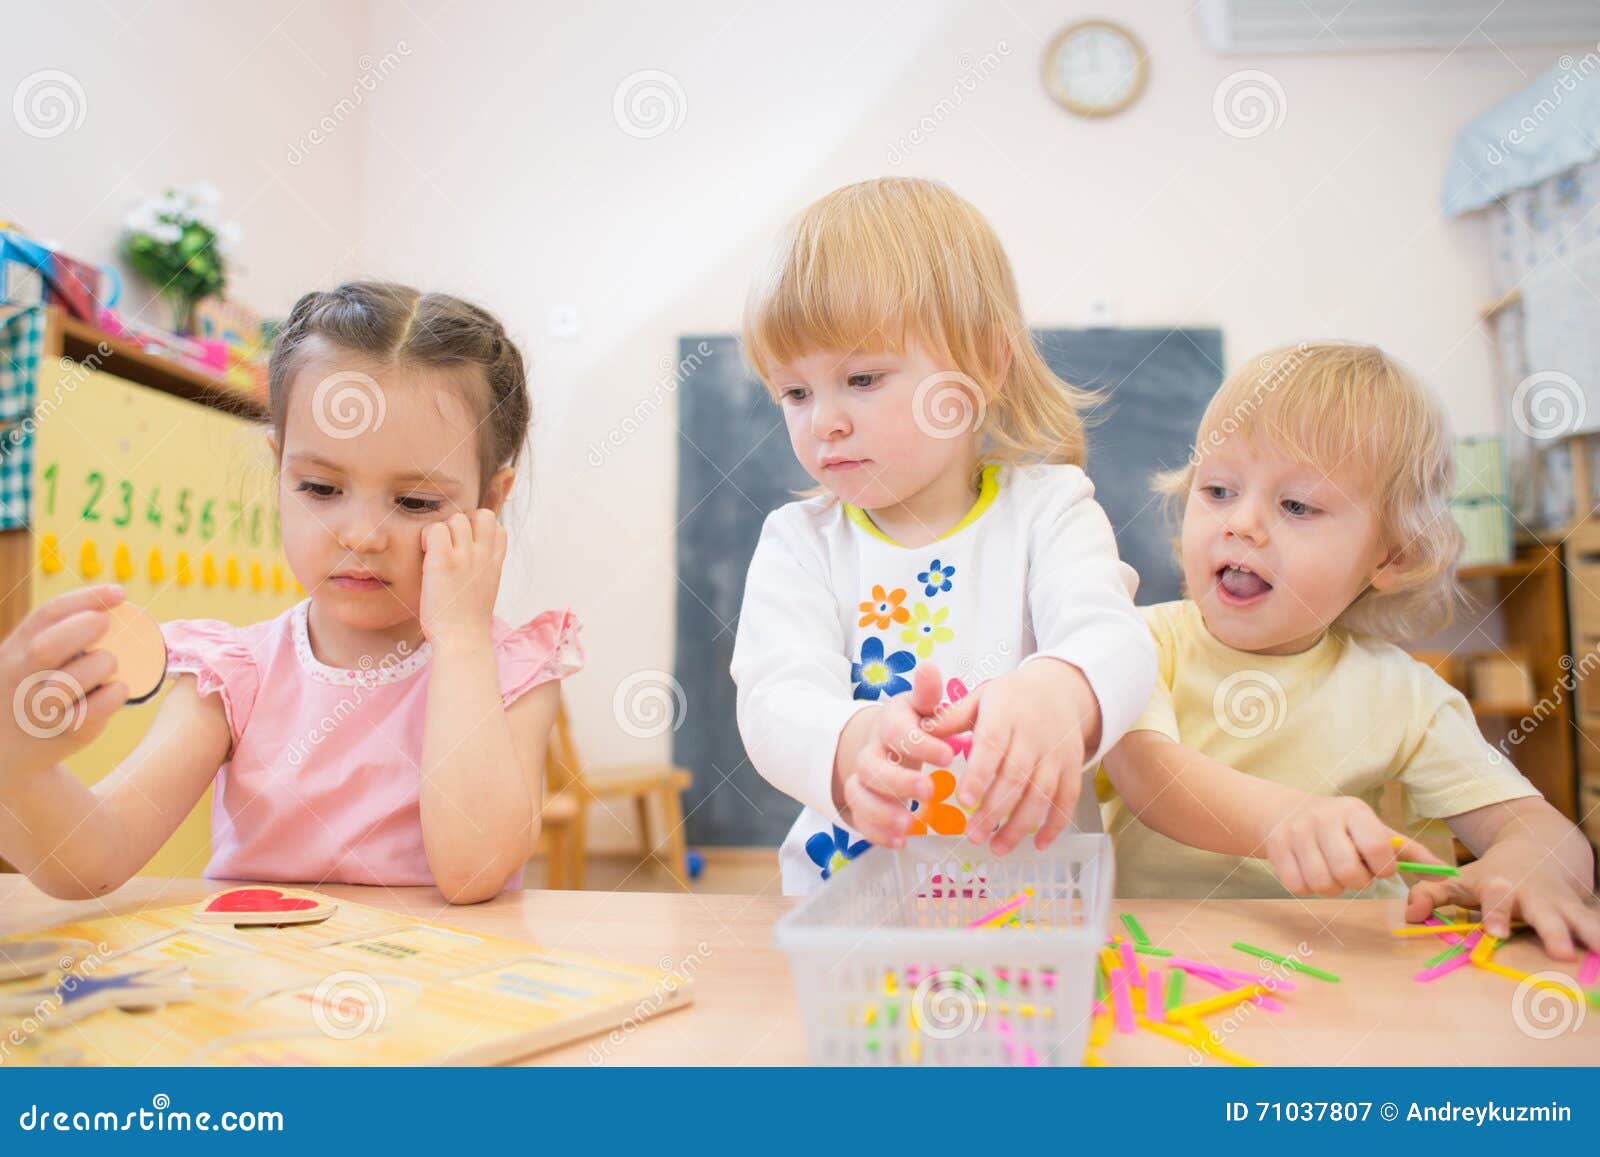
<point>364,987</point>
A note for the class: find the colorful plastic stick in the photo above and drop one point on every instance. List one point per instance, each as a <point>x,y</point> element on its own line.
<point>1286,961</point>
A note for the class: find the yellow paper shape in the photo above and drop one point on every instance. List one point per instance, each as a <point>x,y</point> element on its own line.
<point>278,585</point>
<point>231,571</point>
<point>181,566</point>
<point>50,554</point>
<point>208,569</point>
<point>257,579</point>
<point>155,567</point>
<point>122,563</point>
<point>88,559</point>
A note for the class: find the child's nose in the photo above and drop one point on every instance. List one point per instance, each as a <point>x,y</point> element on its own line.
<point>363,531</point>
<point>829,420</point>
<point>1245,521</point>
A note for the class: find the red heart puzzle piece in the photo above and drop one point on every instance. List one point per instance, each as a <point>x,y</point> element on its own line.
<point>259,900</point>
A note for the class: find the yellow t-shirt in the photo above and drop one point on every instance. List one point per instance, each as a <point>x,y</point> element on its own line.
<point>1345,717</point>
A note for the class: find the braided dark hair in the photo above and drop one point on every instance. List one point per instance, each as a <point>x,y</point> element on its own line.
<point>396,323</point>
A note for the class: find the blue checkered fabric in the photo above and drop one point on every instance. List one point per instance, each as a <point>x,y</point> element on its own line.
<point>21,340</point>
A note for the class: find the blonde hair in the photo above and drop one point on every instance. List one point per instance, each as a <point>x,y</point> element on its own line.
<point>1351,408</point>
<point>879,264</point>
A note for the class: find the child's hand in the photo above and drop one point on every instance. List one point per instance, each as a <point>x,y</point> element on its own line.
<point>1328,845</point>
<point>1517,878</point>
<point>1029,732</point>
<point>461,560</point>
<point>884,773</point>
<point>53,685</point>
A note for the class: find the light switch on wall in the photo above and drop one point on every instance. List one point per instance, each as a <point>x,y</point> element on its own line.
<point>565,321</point>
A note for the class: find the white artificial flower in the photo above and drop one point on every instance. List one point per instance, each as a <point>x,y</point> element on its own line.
<point>228,237</point>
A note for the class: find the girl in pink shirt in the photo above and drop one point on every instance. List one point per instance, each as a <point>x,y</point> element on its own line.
<point>387,730</point>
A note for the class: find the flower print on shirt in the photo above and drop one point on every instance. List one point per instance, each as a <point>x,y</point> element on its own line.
<point>883,609</point>
<point>927,628</point>
<point>877,674</point>
<point>936,578</point>
<point>832,852</point>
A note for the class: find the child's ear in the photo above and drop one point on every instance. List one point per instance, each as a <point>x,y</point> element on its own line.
<point>1390,571</point>
<point>494,494</point>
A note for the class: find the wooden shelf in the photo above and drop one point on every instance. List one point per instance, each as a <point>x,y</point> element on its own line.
<point>1512,710</point>
<point>83,343</point>
<point>1519,568</point>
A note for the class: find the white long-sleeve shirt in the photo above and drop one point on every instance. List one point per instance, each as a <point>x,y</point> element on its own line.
<point>836,616</point>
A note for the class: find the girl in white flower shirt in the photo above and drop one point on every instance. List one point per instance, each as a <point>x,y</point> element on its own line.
<point>955,537</point>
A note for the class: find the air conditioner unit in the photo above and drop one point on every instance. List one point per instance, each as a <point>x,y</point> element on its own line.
<point>1265,26</point>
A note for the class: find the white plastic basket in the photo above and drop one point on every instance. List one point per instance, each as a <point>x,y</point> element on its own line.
<point>888,970</point>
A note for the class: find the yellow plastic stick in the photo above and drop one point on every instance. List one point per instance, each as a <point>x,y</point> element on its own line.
<point>1227,999</point>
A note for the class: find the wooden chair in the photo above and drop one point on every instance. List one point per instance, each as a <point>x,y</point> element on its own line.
<point>570,788</point>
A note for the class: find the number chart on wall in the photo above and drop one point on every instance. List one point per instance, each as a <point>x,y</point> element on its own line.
<point>172,499</point>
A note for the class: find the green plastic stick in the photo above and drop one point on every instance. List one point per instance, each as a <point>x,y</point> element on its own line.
<point>1132,925</point>
<point>1174,988</point>
<point>1453,951</point>
<point>1150,950</point>
<point>1286,962</point>
<point>1427,869</point>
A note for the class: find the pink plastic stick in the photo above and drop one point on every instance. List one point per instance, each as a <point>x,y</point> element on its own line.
<point>1447,937</point>
<point>1128,961</point>
<point>1005,909</point>
<point>1590,972</point>
<point>1155,1004</point>
<point>1443,967</point>
<point>1122,1001</point>
<point>1199,967</point>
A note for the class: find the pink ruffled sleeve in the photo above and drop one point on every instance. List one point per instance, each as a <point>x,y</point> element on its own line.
<point>220,660</point>
<point>542,649</point>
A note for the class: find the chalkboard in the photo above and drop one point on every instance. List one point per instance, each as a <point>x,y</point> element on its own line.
<point>735,465</point>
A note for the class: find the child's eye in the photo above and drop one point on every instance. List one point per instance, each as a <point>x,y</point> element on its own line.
<point>863,381</point>
<point>1215,492</point>
<point>795,394</point>
<point>319,489</point>
<point>1297,508</point>
<point>414,505</point>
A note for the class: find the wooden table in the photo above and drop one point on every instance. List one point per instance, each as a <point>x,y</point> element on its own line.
<point>744,1010</point>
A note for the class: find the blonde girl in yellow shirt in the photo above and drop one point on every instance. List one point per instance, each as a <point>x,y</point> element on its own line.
<point>1316,530</point>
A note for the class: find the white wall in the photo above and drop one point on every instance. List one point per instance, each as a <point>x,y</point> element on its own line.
<point>486,160</point>
<point>169,93</point>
